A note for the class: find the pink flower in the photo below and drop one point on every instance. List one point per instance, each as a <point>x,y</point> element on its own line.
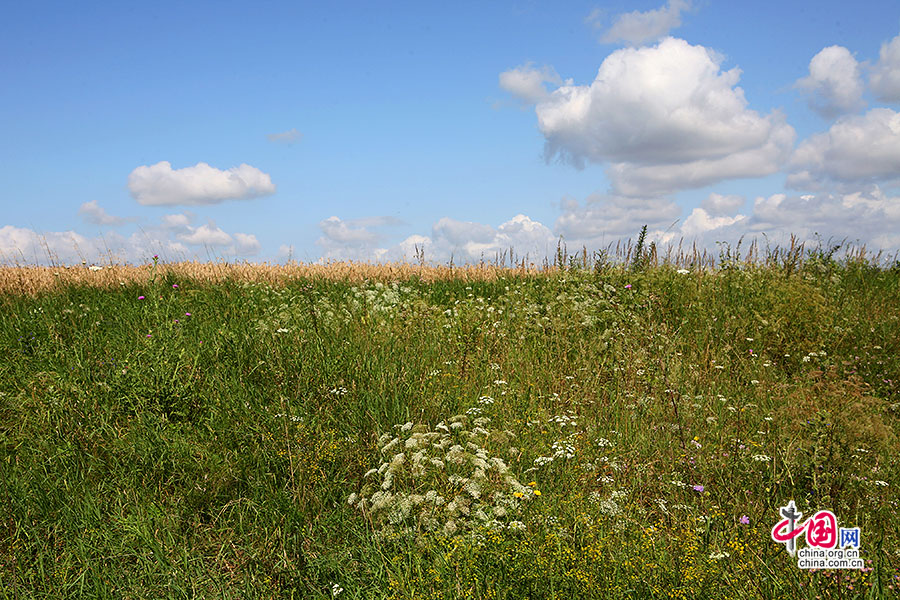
<point>745,520</point>
<point>628,287</point>
<point>698,488</point>
<point>148,335</point>
<point>174,286</point>
<point>140,297</point>
<point>187,314</point>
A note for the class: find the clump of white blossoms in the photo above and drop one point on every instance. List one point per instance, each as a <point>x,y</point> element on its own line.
<point>443,480</point>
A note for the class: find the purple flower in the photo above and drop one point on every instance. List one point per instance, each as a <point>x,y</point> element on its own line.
<point>187,314</point>
<point>174,286</point>
<point>628,287</point>
<point>698,488</point>
<point>745,520</point>
<point>148,335</point>
<point>140,297</point>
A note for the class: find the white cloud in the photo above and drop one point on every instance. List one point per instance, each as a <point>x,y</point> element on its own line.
<point>527,83</point>
<point>246,243</point>
<point>68,247</point>
<point>666,118</point>
<point>834,85</point>
<point>884,77</point>
<point>717,204</point>
<point>464,241</point>
<point>638,27</point>
<point>354,238</point>
<point>869,216</point>
<point>159,184</point>
<point>864,148</point>
<point>342,232</point>
<point>459,233</point>
<point>471,241</point>
<point>20,245</point>
<point>179,221</point>
<point>285,137</point>
<point>606,218</point>
<point>700,222</point>
<point>208,235</point>
<point>97,215</point>
<point>172,239</point>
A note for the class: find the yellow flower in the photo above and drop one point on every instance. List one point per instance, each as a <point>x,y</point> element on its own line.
<point>518,494</point>
<point>532,483</point>
<point>537,492</point>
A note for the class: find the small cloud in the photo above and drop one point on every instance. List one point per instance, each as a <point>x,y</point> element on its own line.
<point>354,238</point>
<point>700,222</point>
<point>638,27</point>
<point>176,221</point>
<point>208,235</point>
<point>717,204</point>
<point>527,83</point>
<point>94,213</point>
<point>160,185</point>
<point>211,235</point>
<point>285,137</point>
<point>246,243</point>
<point>345,232</point>
<point>834,85</point>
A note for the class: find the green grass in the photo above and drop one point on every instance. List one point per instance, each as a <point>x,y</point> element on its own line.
<point>145,452</point>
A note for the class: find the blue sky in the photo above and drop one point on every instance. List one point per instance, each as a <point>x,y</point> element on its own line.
<point>362,130</point>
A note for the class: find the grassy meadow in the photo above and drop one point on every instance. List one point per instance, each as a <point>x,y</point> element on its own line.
<point>594,430</point>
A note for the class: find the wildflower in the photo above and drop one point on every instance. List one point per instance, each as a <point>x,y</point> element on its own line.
<point>537,492</point>
<point>682,271</point>
<point>149,335</point>
<point>518,494</point>
<point>95,268</point>
<point>140,297</point>
<point>745,520</point>
<point>698,488</point>
<point>761,458</point>
<point>187,314</point>
<point>628,286</point>
<point>335,590</point>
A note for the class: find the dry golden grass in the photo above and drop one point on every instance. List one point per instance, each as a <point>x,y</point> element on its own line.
<point>32,280</point>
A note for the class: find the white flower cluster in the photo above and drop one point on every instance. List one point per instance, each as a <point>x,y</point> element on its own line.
<point>442,480</point>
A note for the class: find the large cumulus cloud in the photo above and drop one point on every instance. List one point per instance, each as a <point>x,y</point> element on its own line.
<point>663,118</point>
